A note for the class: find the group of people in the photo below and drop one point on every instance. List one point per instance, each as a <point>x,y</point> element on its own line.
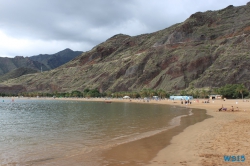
<point>185,102</point>
<point>225,109</point>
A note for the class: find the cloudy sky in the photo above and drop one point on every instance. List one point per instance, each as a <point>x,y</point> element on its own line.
<point>32,27</point>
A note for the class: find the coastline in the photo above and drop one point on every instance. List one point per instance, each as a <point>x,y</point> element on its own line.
<point>206,142</point>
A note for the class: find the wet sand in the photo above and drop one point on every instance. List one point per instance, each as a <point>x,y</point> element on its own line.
<point>140,152</point>
<point>203,143</point>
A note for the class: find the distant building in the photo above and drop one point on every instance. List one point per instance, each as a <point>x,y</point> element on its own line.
<point>156,97</point>
<point>215,97</point>
<point>181,97</point>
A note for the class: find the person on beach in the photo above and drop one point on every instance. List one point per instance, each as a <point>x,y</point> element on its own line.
<point>222,108</point>
<point>232,108</point>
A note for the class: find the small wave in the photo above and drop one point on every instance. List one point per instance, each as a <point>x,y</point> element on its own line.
<point>176,121</point>
<point>190,112</point>
<point>123,136</point>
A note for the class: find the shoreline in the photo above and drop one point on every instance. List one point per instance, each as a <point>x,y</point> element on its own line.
<point>140,152</point>
<point>206,142</point>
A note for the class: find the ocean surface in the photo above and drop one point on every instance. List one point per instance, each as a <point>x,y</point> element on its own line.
<point>47,132</point>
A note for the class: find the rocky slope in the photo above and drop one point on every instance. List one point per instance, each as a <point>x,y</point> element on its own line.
<point>17,73</point>
<point>52,61</point>
<point>13,67</point>
<point>10,64</point>
<point>209,49</point>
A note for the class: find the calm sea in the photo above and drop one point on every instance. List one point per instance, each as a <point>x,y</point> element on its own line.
<point>40,132</point>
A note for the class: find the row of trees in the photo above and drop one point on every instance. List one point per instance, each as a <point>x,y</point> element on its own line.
<point>233,91</point>
<point>5,94</point>
<point>141,94</point>
<point>228,91</point>
<point>95,93</point>
<point>85,93</point>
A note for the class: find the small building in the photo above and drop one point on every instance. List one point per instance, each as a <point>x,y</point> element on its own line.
<point>181,97</point>
<point>215,97</point>
<point>126,97</point>
<point>156,97</point>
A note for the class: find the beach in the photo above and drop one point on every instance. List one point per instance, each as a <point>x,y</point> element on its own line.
<point>207,142</point>
<point>224,133</point>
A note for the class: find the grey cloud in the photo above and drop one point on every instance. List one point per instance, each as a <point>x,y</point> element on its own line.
<point>89,22</point>
<point>59,19</point>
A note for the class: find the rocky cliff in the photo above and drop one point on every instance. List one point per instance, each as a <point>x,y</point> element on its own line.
<point>209,49</point>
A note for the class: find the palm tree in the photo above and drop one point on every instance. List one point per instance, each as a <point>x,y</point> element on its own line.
<point>183,93</point>
<point>197,93</point>
<point>192,90</point>
<point>144,93</point>
<point>204,93</point>
<point>240,89</point>
<point>151,93</point>
<point>109,94</point>
<point>161,93</point>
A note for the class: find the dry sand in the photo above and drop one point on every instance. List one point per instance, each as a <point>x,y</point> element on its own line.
<point>206,142</point>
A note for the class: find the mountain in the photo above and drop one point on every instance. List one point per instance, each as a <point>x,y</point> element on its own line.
<point>55,60</point>
<point>17,73</point>
<point>9,66</point>
<point>209,49</point>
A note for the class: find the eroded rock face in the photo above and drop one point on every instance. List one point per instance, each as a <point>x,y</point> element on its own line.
<point>15,89</point>
<point>209,49</point>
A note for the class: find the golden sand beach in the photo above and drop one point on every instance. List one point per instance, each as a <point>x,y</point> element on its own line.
<point>207,142</point>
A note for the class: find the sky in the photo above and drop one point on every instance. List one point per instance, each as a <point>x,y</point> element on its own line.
<point>33,27</point>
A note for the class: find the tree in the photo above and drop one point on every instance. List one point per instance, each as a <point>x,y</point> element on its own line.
<point>161,93</point>
<point>109,94</point>
<point>144,93</point>
<point>183,93</point>
<point>151,93</point>
<point>240,89</point>
<point>134,94</point>
<point>233,91</point>
<point>204,93</point>
<point>76,93</point>
<point>93,93</point>
<point>197,93</point>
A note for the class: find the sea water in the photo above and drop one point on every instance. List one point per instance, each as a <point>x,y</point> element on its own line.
<point>40,132</point>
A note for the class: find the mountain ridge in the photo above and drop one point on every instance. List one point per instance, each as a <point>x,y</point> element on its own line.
<point>53,61</point>
<point>208,49</point>
<point>44,62</point>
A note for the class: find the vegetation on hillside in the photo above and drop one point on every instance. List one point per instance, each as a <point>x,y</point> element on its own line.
<point>229,91</point>
<point>233,91</point>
